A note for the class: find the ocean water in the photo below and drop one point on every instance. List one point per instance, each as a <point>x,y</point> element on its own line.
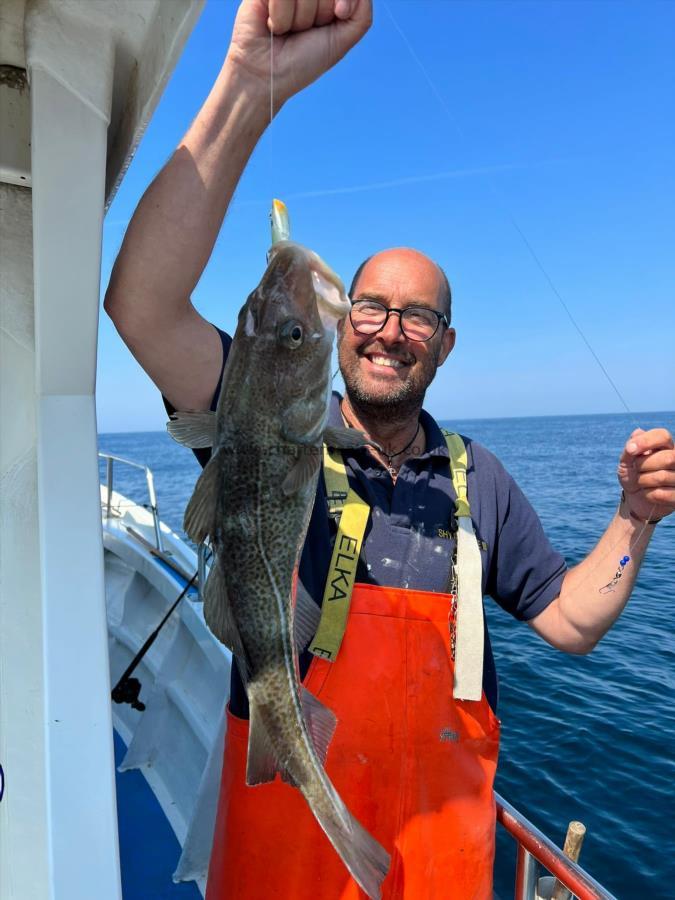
<point>589,738</point>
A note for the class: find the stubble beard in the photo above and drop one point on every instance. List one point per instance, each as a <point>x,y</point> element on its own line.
<point>399,403</point>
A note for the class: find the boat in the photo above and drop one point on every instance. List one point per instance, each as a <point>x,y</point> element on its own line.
<point>87,575</point>
<point>153,593</point>
<point>170,681</point>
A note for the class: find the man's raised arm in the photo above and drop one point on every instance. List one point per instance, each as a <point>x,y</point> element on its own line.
<point>171,235</point>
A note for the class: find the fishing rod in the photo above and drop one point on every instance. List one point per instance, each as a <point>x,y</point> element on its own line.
<point>128,689</point>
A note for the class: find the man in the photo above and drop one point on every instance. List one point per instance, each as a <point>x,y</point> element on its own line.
<point>413,761</point>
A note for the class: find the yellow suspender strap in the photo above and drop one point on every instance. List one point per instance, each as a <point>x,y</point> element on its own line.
<point>337,595</point>
<point>335,476</point>
<point>469,623</point>
<point>458,464</point>
<point>354,513</point>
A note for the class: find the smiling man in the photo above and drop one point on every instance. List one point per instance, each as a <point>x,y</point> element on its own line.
<point>399,334</point>
<point>409,672</point>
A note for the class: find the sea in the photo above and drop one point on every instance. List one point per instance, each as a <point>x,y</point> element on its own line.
<point>588,738</point>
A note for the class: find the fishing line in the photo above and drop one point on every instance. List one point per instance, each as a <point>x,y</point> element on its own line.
<point>498,195</point>
<point>530,249</point>
<point>271,75</point>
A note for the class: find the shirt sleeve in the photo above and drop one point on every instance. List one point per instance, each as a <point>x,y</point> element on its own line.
<point>525,573</point>
<point>203,454</point>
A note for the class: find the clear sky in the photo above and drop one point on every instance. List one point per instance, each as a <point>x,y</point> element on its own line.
<point>558,117</point>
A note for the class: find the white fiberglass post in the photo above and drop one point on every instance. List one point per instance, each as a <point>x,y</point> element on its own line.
<point>70,66</point>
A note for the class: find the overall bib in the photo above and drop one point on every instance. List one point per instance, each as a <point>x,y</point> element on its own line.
<point>412,762</point>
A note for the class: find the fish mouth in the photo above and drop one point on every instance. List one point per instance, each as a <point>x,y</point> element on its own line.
<point>332,301</point>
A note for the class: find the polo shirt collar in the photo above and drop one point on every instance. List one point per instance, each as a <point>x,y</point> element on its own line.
<point>436,446</point>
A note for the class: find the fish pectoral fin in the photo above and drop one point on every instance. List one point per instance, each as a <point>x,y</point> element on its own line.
<point>261,763</point>
<point>200,513</point>
<point>306,618</point>
<point>305,468</point>
<point>193,429</point>
<point>320,721</point>
<point>347,438</point>
<point>218,612</point>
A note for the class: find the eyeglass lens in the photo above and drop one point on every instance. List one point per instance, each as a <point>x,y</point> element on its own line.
<point>417,323</point>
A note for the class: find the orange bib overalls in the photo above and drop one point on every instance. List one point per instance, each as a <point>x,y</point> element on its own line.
<point>413,764</point>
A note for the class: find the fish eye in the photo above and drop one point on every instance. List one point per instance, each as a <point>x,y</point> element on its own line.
<point>292,334</point>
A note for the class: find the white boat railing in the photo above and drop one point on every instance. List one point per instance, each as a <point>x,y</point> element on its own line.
<point>150,482</point>
<point>203,551</point>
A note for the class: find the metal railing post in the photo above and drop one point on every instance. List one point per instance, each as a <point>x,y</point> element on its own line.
<point>534,848</point>
<point>153,507</point>
<point>526,875</point>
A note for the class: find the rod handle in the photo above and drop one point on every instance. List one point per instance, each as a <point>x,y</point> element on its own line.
<point>576,831</point>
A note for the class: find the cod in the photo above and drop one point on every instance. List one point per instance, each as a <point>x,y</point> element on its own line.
<point>254,500</point>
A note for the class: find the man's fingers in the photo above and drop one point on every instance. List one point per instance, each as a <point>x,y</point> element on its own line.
<point>315,38</point>
<point>324,12</point>
<point>648,441</point>
<point>345,8</point>
<point>352,28</point>
<point>360,12</point>
<point>301,15</point>
<point>281,15</point>
<point>661,479</point>
<point>660,459</point>
<point>305,14</point>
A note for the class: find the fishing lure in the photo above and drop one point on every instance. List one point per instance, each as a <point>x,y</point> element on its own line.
<point>608,588</point>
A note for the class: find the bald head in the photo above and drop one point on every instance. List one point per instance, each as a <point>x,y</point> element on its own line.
<point>397,256</point>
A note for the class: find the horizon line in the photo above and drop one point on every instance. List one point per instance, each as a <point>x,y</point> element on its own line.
<point>645,412</point>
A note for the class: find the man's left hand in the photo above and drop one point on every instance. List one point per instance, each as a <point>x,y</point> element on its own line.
<point>647,473</point>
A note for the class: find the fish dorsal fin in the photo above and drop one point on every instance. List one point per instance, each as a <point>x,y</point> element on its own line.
<point>218,613</point>
<point>320,722</point>
<point>306,617</point>
<point>200,514</point>
<point>305,468</point>
<point>346,438</point>
<point>193,429</point>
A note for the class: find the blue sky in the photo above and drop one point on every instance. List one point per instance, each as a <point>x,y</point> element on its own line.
<point>556,116</point>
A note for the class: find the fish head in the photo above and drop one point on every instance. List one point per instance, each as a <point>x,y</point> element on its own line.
<point>310,283</point>
<point>289,322</point>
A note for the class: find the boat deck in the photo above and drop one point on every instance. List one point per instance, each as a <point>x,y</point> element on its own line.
<point>149,849</point>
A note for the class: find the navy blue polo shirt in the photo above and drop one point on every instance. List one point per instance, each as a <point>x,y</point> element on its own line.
<point>409,538</point>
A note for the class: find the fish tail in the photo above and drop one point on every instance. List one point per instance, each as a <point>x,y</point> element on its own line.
<point>367,860</point>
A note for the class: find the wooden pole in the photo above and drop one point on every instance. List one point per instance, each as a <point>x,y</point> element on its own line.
<point>576,832</point>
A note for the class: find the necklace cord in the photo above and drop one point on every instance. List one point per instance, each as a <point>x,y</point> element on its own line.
<point>390,456</point>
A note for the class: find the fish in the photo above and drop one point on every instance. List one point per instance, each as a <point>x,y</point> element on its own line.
<point>253,501</point>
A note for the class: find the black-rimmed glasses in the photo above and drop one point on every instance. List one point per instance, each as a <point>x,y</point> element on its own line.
<point>418,323</point>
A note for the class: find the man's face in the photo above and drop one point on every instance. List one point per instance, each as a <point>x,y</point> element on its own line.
<point>387,370</point>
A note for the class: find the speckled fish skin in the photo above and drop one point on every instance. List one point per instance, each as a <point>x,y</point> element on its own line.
<point>268,391</point>
<point>272,412</point>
